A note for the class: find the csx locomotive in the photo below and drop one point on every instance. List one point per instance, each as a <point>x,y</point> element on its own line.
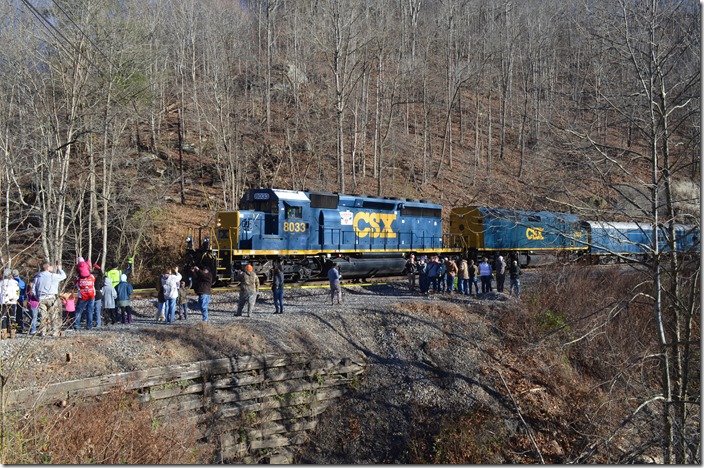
<point>307,232</point>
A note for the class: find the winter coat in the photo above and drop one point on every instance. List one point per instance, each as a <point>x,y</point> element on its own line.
<point>500,266</point>
<point>109,294</point>
<point>515,271</point>
<point>86,287</point>
<point>249,282</point>
<point>171,283</point>
<point>334,277</point>
<point>46,283</point>
<point>203,282</point>
<point>124,290</point>
<point>463,270</point>
<point>484,269</point>
<point>472,269</point>
<point>182,296</point>
<point>23,288</point>
<point>277,282</point>
<point>451,267</point>
<point>9,291</point>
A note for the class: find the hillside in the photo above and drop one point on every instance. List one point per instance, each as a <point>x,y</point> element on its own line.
<point>449,379</point>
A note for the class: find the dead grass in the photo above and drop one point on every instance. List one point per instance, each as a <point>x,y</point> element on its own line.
<point>113,429</point>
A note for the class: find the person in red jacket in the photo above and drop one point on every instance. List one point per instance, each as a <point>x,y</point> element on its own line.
<point>85,283</point>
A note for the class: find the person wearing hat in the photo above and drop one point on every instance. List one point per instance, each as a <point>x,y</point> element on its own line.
<point>46,288</point>
<point>124,290</point>
<point>249,287</point>
<point>20,308</point>
<point>9,295</point>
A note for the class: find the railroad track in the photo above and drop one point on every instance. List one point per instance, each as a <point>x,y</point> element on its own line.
<point>234,287</point>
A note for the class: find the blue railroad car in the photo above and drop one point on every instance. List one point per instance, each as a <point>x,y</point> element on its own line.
<point>530,236</point>
<point>613,241</point>
<point>306,231</point>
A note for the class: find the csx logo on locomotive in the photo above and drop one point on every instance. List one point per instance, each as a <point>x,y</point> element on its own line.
<point>534,234</point>
<point>374,224</point>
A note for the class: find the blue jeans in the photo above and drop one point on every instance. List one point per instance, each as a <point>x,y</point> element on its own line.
<point>183,309</point>
<point>474,281</point>
<point>97,313</point>
<point>278,300</point>
<point>515,283</point>
<point>35,313</point>
<point>203,303</point>
<point>170,310</point>
<point>463,286</point>
<point>87,305</point>
<point>450,282</point>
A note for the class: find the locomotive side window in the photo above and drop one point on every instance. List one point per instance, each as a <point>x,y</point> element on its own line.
<point>294,212</point>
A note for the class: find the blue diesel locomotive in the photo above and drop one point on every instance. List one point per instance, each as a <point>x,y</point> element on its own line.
<point>306,232</point>
<point>541,237</point>
<point>531,237</point>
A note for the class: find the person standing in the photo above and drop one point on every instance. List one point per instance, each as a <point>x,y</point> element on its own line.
<point>433,270</point>
<point>109,301</point>
<point>160,299</point>
<point>170,284</point>
<point>182,302</point>
<point>19,308</point>
<point>9,295</point>
<point>500,267</point>
<point>411,271</point>
<point>114,274</point>
<point>203,287</point>
<point>335,291</point>
<point>514,277</point>
<point>463,277</point>
<point>124,290</point>
<point>485,275</point>
<point>473,273</point>
<point>450,273</point>
<point>249,287</point>
<point>97,312</point>
<point>423,283</point>
<point>46,288</point>
<point>33,304</point>
<point>85,283</point>
<point>277,289</point>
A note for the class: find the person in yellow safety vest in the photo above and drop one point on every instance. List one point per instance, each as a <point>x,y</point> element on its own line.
<point>114,272</point>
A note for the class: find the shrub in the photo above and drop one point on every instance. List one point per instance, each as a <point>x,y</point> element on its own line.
<point>112,430</point>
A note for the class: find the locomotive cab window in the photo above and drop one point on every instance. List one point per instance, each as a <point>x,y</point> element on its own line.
<point>294,212</point>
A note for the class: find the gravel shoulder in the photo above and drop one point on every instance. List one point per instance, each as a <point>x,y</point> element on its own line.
<point>422,352</point>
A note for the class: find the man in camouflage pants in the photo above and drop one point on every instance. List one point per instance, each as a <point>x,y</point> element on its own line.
<point>46,288</point>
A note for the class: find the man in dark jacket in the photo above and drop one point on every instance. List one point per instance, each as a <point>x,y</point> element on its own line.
<point>203,281</point>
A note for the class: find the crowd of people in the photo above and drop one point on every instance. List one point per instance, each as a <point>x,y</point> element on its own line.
<point>97,299</point>
<point>456,274</point>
